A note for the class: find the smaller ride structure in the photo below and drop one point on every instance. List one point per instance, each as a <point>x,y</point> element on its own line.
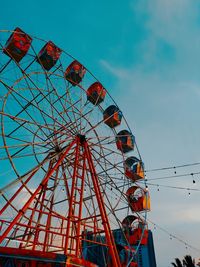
<point>65,143</point>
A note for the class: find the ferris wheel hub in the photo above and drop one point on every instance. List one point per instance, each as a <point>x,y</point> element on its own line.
<point>57,149</point>
<point>82,138</point>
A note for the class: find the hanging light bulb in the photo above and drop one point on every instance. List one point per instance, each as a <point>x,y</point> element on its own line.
<point>175,170</point>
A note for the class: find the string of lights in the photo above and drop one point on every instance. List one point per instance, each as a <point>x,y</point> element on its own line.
<point>156,226</point>
<point>174,176</point>
<point>188,189</point>
<point>172,236</point>
<point>173,187</point>
<point>173,167</point>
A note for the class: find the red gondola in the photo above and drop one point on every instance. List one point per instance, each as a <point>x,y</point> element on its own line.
<point>138,199</point>
<point>96,93</point>
<point>135,230</point>
<point>134,169</point>
<point>112,116</point>
<point>49,55</point>
<point>17,45</point>
<point>125,141</point>
<point>75,73</point>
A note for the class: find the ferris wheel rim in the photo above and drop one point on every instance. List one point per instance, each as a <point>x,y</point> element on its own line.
<point>87,121</point>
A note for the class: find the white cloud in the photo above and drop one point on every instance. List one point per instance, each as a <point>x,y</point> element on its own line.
<point>120,73</point>
<point>191,215</point>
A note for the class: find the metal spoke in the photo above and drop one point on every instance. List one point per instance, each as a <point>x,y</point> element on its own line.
<point>76,194</point>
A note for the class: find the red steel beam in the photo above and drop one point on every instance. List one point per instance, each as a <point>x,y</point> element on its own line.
<point>43,183</point>
<point>108,233</point>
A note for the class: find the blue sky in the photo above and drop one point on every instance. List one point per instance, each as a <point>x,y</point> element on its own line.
<point>146,53</point>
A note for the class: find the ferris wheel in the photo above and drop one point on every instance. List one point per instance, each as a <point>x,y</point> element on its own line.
<point>72,179</point>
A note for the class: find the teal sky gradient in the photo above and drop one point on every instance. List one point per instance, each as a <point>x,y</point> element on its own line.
<point>147,54</point>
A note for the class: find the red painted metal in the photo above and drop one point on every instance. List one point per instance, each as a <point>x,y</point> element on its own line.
<point>75,73</point>
<point>63,206</point>
<point>17,45</point>
<point>73,224</point>
<point>71,202</point>
<point>104,217</point>
<point>138,199</point>
<point>43,183</point>
<point>78,246</point>
<point>49,55</point>
<point>26,252</point>
<point>96,93</point>
<point>72,262</point>
<point>16,193</point>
